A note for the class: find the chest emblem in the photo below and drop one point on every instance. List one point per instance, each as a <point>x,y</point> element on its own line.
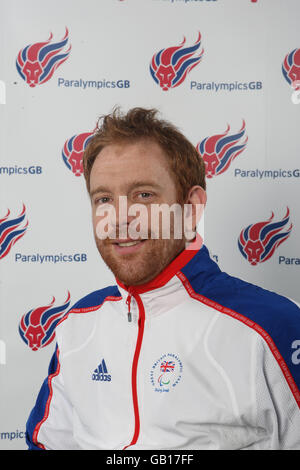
<point>166,372</point>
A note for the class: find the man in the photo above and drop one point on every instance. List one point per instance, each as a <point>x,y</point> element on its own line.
<point>177,354</point>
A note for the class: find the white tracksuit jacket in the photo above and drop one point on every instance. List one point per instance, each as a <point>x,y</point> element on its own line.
<point>208,361</point>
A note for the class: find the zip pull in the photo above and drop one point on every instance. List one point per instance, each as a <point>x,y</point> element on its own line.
<point>128,300</point>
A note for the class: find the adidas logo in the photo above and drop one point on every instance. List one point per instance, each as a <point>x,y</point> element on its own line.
<point>101,373</point>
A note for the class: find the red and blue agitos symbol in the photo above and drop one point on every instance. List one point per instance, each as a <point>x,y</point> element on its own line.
<point>218,151</point>
<point>37,327</point>
<point>169,67</point>
<point>11,230</point>
<point>37,62</point>
<point>73,151</point>
<point>258,241</point>
<point>291,67</point>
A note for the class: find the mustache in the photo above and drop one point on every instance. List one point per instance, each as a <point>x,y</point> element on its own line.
<point>125,233</point>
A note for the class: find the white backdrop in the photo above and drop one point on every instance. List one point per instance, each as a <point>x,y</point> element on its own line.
<point>239,78</point>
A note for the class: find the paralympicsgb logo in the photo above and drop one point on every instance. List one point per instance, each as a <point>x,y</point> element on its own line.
<point>170,66</point>
<point>73,150</point>
<point>219,151</point>
<point>291,67</point>
<point>258,241</point>
<point>37,327</point>
<point>11,230</point>
<point>36,63</point>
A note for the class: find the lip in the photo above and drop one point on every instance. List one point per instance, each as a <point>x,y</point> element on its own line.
<point>124,250</point>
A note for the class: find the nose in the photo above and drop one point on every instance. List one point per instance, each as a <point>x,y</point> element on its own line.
<point>123,219</point>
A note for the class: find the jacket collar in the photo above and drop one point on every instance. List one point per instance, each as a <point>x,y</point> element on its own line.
<point>169,271</point>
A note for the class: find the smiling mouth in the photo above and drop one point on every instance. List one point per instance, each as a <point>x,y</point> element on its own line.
<point>129,243</point>
<point>128,246</point>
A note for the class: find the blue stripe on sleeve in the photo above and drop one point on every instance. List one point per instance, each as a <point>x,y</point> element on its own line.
<point>38,412</point>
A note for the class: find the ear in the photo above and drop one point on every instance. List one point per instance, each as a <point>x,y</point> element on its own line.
<point>195,204</point>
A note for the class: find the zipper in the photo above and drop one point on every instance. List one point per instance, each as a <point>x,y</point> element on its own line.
<point>141,322</point>
<point>128,300</point>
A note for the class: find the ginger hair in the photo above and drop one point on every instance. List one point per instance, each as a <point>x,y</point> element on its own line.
<point>185,163</point>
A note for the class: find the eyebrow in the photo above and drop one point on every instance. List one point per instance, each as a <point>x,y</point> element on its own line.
<point>134,184</point>
<point>99,189</point>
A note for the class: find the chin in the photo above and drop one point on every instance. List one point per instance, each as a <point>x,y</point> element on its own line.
<point>139,268</point>
<point>132,273</point>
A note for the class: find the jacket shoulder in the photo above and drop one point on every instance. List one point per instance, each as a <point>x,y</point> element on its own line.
<point>94,300</point>
<point>78,322</point>
<point>257,303</point>
<point>274,317</point>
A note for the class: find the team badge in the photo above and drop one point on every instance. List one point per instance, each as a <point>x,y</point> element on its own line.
<point>166,372</point>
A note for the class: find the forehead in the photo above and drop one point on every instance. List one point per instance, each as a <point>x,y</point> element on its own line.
<point>123,162</point>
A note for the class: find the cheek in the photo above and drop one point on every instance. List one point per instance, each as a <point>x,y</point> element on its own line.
<point>140,220</point>
<point>167,220</point>
<point>95,221</point>
<point>104,221</point>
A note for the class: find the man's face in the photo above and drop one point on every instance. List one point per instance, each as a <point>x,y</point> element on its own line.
<point>140,172</point>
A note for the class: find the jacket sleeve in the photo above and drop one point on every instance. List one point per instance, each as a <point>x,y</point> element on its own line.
<point>278,401</point>
<point>50,424</point>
